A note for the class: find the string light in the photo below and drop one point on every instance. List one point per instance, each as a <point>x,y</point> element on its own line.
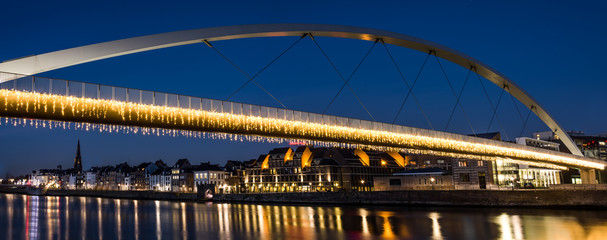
<point>111,116</point>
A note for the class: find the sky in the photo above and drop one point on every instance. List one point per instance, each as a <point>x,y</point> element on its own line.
<point>552,49</point>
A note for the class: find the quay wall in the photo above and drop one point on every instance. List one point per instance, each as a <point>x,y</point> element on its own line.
<point>140,195</point>
<point>485,198</point>
<point>479,198</point>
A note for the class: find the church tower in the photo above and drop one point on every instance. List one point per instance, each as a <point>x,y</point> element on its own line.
<point>78,160</point>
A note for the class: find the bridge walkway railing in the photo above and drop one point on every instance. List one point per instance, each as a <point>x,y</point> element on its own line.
<point>105,92</point>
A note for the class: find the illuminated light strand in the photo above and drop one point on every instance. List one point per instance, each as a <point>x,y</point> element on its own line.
<point>254,128</point>
<point>235,137</point>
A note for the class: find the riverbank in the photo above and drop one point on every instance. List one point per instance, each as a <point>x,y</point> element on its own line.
<point>139,195</point>
<point>472,198</point>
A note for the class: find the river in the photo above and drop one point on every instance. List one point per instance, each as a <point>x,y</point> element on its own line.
<point>33,217</point>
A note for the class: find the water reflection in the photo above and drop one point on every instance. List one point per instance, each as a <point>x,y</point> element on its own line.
<point>32,217</point>
<point>436,233</point>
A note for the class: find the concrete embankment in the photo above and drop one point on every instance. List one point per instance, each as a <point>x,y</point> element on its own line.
<point>486,198</point>
<point>141,195</point>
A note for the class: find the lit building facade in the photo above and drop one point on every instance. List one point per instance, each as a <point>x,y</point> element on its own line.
<point>525,176</point>
<point>211,175</point>
<point>182,177</point>
<point>160,180</point>
<point>309,169</point>
<point>590,146</point>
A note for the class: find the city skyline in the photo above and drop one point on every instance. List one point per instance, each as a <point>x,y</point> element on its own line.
<point>546,76</point>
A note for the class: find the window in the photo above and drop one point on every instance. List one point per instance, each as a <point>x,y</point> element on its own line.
<point>480,163</point>
<point>440,161</point>
<point>395,182</point>
<point>427,162</point>
<point>463,163</point>
<point>464,177</point>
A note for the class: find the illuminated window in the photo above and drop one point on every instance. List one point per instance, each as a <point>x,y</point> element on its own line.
<point>464,177</point>
<point>463,163</point>
<point>480,163</point>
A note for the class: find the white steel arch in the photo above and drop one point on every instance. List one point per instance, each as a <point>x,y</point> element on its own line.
<point>64,58</point>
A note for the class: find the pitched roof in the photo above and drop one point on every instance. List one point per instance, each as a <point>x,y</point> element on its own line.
<point>181,162</point>
<point>489,135</point>
<point>422,171</point>
<point>279,150</point>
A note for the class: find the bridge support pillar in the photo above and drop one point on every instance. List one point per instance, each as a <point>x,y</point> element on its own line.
<point>588,176</point>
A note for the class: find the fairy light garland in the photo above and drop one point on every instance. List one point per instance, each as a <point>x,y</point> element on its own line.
<point>125,117</point>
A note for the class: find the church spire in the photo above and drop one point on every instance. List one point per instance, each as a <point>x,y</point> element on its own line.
<point>78,160</point>
<point>78,150</point>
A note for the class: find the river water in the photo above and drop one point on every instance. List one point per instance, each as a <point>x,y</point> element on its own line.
<point>33,217</point>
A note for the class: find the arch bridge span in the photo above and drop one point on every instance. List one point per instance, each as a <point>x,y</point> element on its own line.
<point>409,139</point>
<point>64,58</point>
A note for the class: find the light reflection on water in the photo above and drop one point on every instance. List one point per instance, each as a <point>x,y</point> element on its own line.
<point>33,217</point>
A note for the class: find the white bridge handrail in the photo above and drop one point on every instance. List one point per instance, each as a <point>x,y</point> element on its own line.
<point>104,92</point>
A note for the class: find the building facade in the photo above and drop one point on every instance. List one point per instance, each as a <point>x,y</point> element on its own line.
<point>308,169</point>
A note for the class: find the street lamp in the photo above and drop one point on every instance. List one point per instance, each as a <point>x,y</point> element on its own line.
<point>512,182</point>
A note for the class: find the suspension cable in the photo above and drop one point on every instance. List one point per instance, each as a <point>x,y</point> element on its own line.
<point>406,83</point>
<point>244,73</point>
<point>251,79</point>
<point>527,119</point>
<point>411,90</point>
<point>515,105</point>
<point>264,68</point>
<point>454,94</point>
<point>342,77</point>
<point>494,109</point>
<point>458,98</point>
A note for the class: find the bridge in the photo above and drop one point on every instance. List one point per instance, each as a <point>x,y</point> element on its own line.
<point>108,108</point>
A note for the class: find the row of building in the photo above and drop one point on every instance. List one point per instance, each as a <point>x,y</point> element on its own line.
<point>157,176</point>
<point>308,168</point>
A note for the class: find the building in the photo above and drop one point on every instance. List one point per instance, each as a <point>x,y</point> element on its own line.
<point>113,177</point>
<point>309,169</point>
<point>139,176</point>
<point>91,179</point>
<point>416,179</point>
<point>591,146</point>
<point>473,174</point>
<point>236,171</point>
<point>182,177</point>
<point>160,180</point>
<point>211,175</point>
<point>79,180</point>
<point>46,177</point>
<point>523,176</point>
<point>538,143</point>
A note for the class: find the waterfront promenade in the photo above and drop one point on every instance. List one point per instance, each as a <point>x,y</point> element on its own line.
<point>543,198</point>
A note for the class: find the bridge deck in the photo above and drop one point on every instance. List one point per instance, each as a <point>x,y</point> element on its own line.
<point>61,100</point>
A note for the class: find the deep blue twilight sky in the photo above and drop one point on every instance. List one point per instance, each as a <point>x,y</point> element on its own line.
<point>553,49</point>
